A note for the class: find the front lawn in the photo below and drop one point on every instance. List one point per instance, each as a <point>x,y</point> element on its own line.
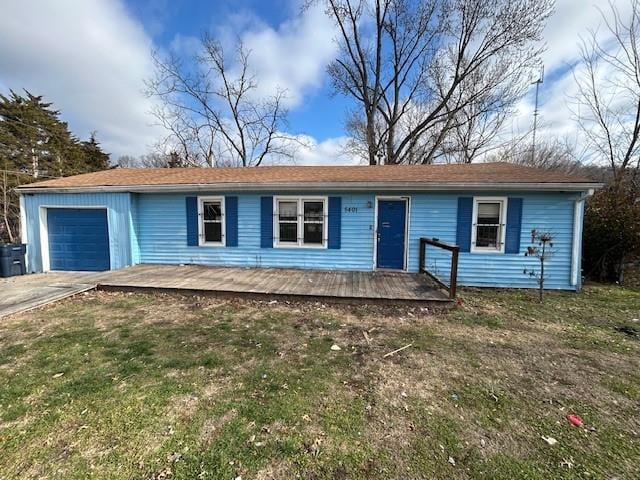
<point>120,386</point>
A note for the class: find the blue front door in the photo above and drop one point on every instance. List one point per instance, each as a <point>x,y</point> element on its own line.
<point>391,232</point>
<point>78,239</point>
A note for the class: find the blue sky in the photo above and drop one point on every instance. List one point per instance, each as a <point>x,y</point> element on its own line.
<point>90,58</point>
<point>320,115</point>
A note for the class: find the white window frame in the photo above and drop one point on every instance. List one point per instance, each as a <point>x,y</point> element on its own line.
<point>502,222</point>
<point>223,237</point>
<point>300,223</point>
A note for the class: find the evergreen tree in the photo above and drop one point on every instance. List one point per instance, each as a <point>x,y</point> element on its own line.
<point>35,143</point>
<point>34,140</point>
<point>26,129</point>
<point>93,156</point>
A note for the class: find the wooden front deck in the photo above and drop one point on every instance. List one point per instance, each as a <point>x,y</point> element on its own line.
<point>287,284</point>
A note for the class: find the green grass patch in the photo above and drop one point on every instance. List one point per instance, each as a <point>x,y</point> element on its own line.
<point>141,386</point>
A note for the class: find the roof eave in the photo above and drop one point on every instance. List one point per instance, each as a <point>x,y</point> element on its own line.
<point>322,186</point>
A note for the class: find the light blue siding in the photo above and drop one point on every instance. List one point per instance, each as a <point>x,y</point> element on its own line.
<point>151,228</point>
<point>133,229</point>
<point>118,216</point>
<point>162,234</point>
<point>434,215</point>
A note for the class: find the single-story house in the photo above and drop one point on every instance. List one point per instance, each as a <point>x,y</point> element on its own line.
<point>362,218</point>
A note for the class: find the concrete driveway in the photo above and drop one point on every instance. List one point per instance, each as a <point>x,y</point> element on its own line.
<point>19,294</point>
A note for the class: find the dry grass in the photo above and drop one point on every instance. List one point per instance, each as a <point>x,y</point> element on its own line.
<point>182,387</point>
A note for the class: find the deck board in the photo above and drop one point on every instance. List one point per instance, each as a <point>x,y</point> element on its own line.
<point>326,284</point>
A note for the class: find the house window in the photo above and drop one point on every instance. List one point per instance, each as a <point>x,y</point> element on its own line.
<point>488,227</point>
<point>300,222</point>
<point>211,224</point>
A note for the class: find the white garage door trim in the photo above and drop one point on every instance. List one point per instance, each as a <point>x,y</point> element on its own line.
<point>44,231</point>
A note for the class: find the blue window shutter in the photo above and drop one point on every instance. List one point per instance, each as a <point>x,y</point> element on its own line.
<point>192,221</point>
<point>335,222</point>
<point>514,225</point>
<point>231,221</point>
<point>463,234</point>
<point>266,222</point>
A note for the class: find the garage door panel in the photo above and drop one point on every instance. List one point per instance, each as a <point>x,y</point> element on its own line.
<point>78,239</point>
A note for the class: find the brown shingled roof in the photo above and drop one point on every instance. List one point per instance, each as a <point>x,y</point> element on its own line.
<point>411,175</point>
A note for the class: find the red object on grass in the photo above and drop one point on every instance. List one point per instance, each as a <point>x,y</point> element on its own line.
<point>575,420</point>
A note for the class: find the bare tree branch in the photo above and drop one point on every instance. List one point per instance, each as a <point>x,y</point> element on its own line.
<point>433,78</point>
<point>214,111</point>
<point>607,105</point>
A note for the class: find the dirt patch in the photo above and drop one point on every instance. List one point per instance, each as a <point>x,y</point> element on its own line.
<point>212,426</point>
<point>274,471</point>
<point>182,408</point>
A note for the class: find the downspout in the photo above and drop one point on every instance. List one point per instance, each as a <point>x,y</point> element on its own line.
<point>576,250</point>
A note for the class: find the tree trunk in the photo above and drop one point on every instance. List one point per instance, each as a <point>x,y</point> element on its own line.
<point>34,163</point>
<point>5,206</point>
<point>371,138</point>
<point>621,264</point>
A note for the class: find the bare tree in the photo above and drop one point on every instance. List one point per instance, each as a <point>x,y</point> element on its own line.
<point>477,123</point>
<point>558,154</point>
<point>127,161</point>
<point>432,75</point>
<point>152,160</point>
<point>7,208</point>
<point>213,111</point>
<point>541,248</point>
<point>607,106</point>
<point>10,204</point>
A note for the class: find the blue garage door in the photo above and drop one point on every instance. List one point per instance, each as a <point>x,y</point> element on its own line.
<point>78,239</point>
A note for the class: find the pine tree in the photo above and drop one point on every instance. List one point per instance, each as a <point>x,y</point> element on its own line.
<point>25,130</point>
<point>34,140</point>
<point>93,156</point>
<point>35,143</point>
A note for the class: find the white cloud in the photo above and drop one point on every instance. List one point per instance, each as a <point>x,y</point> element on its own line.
<point>293,56</point>
<point>89,58</point>
<point>572,20</point>
<point>330,151</point>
